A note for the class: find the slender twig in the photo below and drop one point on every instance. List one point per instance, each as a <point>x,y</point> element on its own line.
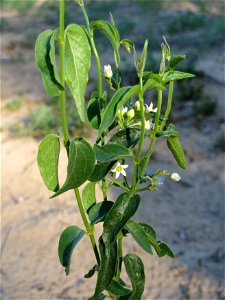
<point>62,73</point>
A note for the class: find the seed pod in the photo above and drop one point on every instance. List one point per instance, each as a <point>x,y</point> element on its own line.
<point>175,147</point>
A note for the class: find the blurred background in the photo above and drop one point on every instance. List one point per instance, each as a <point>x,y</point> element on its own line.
<point>188,215</point>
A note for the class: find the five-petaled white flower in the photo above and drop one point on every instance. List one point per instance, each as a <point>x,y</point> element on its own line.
<point>150,108</point>
<point>108,71</point>
<point>119,169</point>
<point>175,177</point>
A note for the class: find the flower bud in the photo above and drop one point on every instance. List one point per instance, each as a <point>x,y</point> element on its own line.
<point>138,105</point>
<point>175,177</point>
<point>108,71</point>
<point>130,114</point>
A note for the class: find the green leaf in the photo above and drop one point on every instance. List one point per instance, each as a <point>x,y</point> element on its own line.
<point>101,170</point>
<point>88,196</point>
<point>91,272</point>
<point>117,101</point>
<point>111,152</point>
<point>127,137</point>
<point>168,132</point>
<point>80,166</point>
<point>99,211</point>
<point>154,82</point>
<point>135,270</point>
<point>123,209</point>
<point>175,75</point>
<point>111,33</point>
<point>108,253</point>
<point>47,159</point>
<point>139,235</point>
<point>176,149</point>
<point>117,289</point>
<point>175,60</point>
<point>165,250</point>
<point>151,234</point>
<point>94,112</point>
<point>45,59</point>
<point>68,240</point>
<point>77,64</point>
<point>149,230</point>
<point>128,44</point>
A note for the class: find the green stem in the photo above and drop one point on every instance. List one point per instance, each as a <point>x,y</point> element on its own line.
<point>97,59</point>
<point>169,104</point>
<point>62,74</point>
<point>142,136</point>
<point>88,227</point>
<point>153,139</point>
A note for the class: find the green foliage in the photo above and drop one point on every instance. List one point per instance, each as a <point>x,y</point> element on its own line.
<point>123,209</point>
<point>99,211</point>
<point>80,166</point>
<point>135,270</point>
<point>44,54</point>
<point>117,101</point>
<point>175,75</point>
<point>118,289</point>
<point>48,158</point>
<point>88,196</point>
<point>139,235</point>
<point>127,137</point>
<point>94,112</point>
<point>111,152</point>
<point>100,171</point>
<point>123,121</point>
<point>91,272</point>
<point>108,252</point>
<point>111,32</point>
<point>77,64</point>
<point>67,242</point>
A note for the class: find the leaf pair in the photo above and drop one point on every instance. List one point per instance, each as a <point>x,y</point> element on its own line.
<point>77,63</point>
<point>80,165</point>
<point>111,33</point>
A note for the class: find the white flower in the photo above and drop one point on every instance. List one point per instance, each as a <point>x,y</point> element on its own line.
<point>175,177</point>
<point>148,124</point>
<point>150,108</point>
<point>124,110</point>
<point>137,105</point>
<point>130,114</point>
<point>108,71</point>
<point>119,169</point>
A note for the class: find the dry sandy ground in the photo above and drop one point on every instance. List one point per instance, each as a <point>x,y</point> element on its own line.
<point>188,215</point>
